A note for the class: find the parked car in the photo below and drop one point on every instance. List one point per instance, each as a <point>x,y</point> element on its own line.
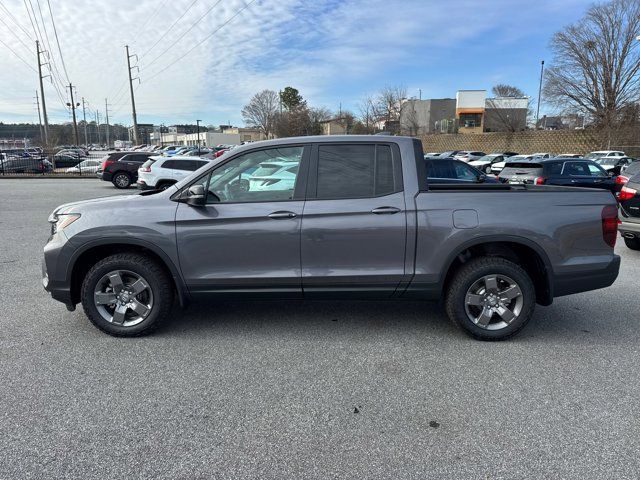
<point>574,172</point>
<point>448,170</point>
<point>614,164</point>
<point>360,221</point>
<point>629,212</point>
<point>12,164</point>
<point>569,155</point>
<point>604,153</point>
<point>65,160</point>
<point>542,155</point>
<point>497,167</point>
<point>631,168</point>
<point>85,166</point>
<point>159,173</point>
<point>485,163</point>
<point>121,168</point>
<point>468,156</point>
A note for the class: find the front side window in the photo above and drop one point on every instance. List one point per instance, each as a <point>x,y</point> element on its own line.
<point>354,171</point>
<point>260,176</point>
<point>575,169</point>
<point>596,171</point>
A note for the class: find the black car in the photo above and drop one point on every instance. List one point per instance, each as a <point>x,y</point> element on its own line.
<point>569,172</point>
<point>629,212</point>
<point>24,165</point>
<point>121,168</point>
<point>442,171</point>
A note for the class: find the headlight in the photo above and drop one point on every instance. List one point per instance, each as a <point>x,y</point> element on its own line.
<point>60,221</point>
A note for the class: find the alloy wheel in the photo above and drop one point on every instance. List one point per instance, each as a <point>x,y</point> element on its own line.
<point>123,297</point>
<point>493,302</point>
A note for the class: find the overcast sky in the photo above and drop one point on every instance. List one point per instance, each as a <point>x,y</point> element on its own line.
<point>332,51</point>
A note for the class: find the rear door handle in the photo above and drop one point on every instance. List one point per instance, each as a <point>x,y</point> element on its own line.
<point>280,215</point>
<point>385,210</point>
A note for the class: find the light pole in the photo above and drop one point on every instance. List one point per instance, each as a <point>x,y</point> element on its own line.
<point>198,130</point>
<point>539,92</point>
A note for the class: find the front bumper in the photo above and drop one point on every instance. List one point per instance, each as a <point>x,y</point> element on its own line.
<point>54,272</point>
<point>586,280</point>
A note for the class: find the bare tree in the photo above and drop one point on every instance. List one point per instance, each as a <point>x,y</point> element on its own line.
<point>388,103</point>
<point>367,115</point>
<point>596,63</point>
<point>261,111</point>
<point>504,90</point>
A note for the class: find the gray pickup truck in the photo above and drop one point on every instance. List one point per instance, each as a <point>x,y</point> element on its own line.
<point>331,217</point>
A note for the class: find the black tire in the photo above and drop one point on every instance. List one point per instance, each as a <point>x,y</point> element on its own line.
<point>472,272</point>
<point>158,282</point>
<point>164,185</point>
<point>632,243</point>
<point>121,180</point>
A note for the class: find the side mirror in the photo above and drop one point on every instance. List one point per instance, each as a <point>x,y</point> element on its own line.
<point>481,178</point>
<point>196,196</point>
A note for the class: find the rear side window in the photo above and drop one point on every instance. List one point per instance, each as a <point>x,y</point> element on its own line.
<point>148,163</point>
<point>553,168</point>
<point>354,171</point>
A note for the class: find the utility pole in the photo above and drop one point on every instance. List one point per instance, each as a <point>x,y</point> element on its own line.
<point>84,117</point>
<point>539,93</point>
<point>420,93</point>
<point>39,117</point>
<point>44,105</point>
<point>133,102</point>
<point>98,126</point>
<point>73,111</point>
<point>106,112</point>
<point>198,130</point>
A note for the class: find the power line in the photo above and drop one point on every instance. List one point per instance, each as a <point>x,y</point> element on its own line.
<point>15,21</point>
<point>170,28</point>
<point>44,27</point>
<point>18,56</point>
<point>55,31</point>
<point>183,34</point>
<point>14,33</point>
<point>153,15</point>
<point>201,41</point>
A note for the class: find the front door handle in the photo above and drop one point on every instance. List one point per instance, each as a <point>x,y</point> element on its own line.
<point>280,215</point>
<point>385,210</point>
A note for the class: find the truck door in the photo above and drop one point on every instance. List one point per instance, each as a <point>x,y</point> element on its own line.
<point>354,221</point>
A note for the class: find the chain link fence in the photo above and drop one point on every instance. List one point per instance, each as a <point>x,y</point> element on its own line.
<point>61,162</point>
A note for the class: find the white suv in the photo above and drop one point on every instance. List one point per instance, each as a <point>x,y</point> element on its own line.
<point>158,173</point>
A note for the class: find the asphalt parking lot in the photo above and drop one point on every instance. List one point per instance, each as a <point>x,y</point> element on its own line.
<point>271,389</point>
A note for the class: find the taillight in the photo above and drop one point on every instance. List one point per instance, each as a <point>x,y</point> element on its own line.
<point>145,169</point>
<point>626,194</point>
<point>540,180</point>
<point>621,180</point>
<point>106,163</point>
<point>610,225</point>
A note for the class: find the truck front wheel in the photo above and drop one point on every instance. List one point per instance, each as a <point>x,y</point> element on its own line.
<point>127,295</point>
<point>490,298</point>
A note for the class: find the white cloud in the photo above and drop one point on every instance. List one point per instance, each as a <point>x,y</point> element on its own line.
<point>325,49</point>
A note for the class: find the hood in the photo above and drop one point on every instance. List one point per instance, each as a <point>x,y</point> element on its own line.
<point>77,207</point>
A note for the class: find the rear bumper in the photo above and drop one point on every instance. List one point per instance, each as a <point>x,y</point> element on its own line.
<point>106,176</point>
<point>586,280</point>
<point>142,185</point>
<point>629,227</point>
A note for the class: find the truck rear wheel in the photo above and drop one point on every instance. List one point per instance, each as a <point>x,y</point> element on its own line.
<point>490,298</point>
<point>127,295</point>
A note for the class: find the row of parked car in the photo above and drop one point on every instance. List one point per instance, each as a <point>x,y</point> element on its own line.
<point>608,169</point>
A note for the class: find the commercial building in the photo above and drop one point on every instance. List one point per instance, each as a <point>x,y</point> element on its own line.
<point>475,113</point>
<point>426,116</point>
<point>145,132</point>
